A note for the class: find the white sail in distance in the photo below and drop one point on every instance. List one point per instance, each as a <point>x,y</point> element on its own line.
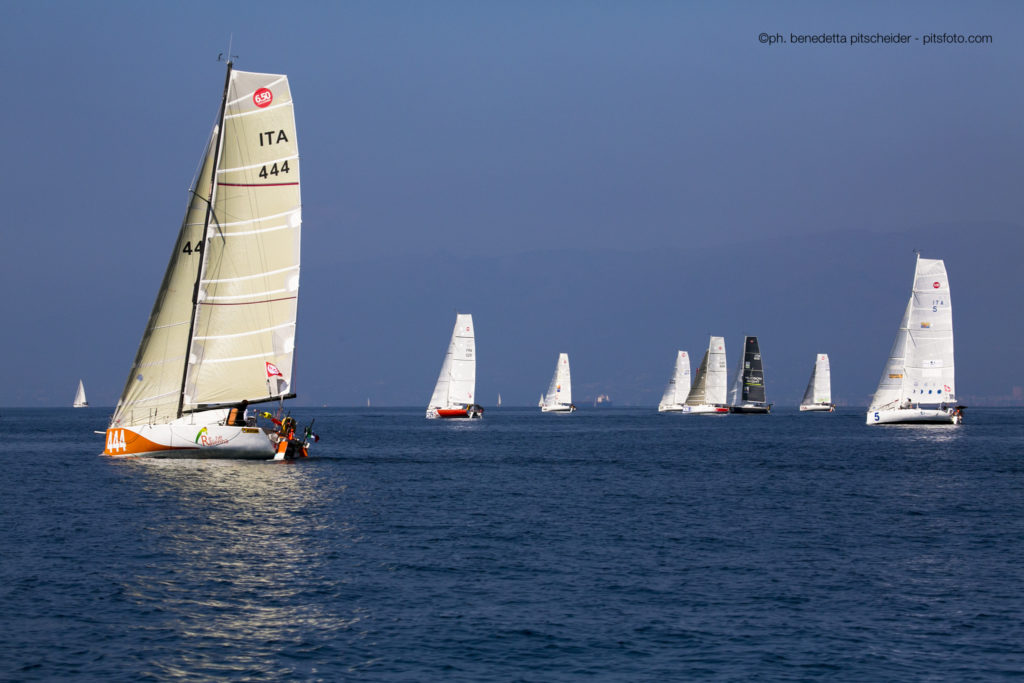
<point>560,390</point>
<point>80,400</point>
<point>678,387</point>
<point>222,329</point>
<point>709,387</point>
<point>819,387</point>
<point>456,383</point>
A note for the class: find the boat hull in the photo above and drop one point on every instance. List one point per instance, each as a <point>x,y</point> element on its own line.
<point>561,408</point>
<point>674,408</point>
<point>705,409</point>
<point>751,409</point>
<point>915,416</point>
<point>192,441</point>
<point>465,413</point>
<point>818,408</point>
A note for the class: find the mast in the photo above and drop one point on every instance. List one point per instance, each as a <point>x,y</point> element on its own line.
<point>206,230</point>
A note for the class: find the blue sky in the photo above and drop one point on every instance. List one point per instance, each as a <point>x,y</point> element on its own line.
<point>446,142</point>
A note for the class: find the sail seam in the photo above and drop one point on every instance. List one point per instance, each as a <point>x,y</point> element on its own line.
<point>242,296</point>
<point>261,218</point>
<point>258,232</point>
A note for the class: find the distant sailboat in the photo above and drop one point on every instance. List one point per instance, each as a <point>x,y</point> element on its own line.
<point>499,400</point>
<point>454,392</point>
<point>674,398</point>
<point>748,395</point>
<point>221,334</point>
<point>918,383</point>
<point>80,400</point>
<point>707,395</point>
<point>818,396</point>
<point>559,396</point>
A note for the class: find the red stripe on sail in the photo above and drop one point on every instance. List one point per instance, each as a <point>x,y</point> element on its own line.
<point>254,184</point>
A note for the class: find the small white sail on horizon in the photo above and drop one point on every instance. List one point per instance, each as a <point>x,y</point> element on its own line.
<point>818,395</point>
<point>674,397</point>
<point>918,383</point>
<point>558,398</point>
<point>80,400</point>
<point>455,390</point>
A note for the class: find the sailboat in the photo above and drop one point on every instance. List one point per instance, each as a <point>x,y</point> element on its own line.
<point>747,395</point>
<point>499,400</point>
<point>456,383</point>
<point>221,335</point>
<point>918,383</point>
<point>80,400</point>
<point>674,398</point>
<point>818,396</point>
<point>559,396</point>
<point>707,395</point>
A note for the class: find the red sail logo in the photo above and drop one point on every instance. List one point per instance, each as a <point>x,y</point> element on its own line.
<point>262,97</point>
<point>936,285</point>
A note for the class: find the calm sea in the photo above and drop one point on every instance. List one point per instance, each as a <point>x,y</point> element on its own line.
<point>610,544</point>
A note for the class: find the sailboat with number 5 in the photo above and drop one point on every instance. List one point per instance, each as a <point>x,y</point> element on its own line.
<point>918,383</point>
<point>221,335</point>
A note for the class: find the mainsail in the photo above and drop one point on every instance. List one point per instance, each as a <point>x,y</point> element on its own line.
<point>679,383</point>
<point>819,387</point>
<point>749,383</point>
<point>222,329</point>
<point>80,400</point>
<point>920,366</point>
<point>709,387</point>
<point>560,389</point>
<point>456,383</point>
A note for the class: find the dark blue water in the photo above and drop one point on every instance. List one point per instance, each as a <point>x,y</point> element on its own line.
<point>612,545</point>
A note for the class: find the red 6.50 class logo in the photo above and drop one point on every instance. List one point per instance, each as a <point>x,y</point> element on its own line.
<point>262,97</point>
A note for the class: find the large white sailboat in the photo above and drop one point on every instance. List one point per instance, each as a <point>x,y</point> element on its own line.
<point>818,395</point>
<point>708,393</point>
<point>918,382</point>
<point>678,387</point>
<point>748,393</point>
<point>221,335</point>
<point>454,392</point>
<point>558,399</point>
<point>80,400</point>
